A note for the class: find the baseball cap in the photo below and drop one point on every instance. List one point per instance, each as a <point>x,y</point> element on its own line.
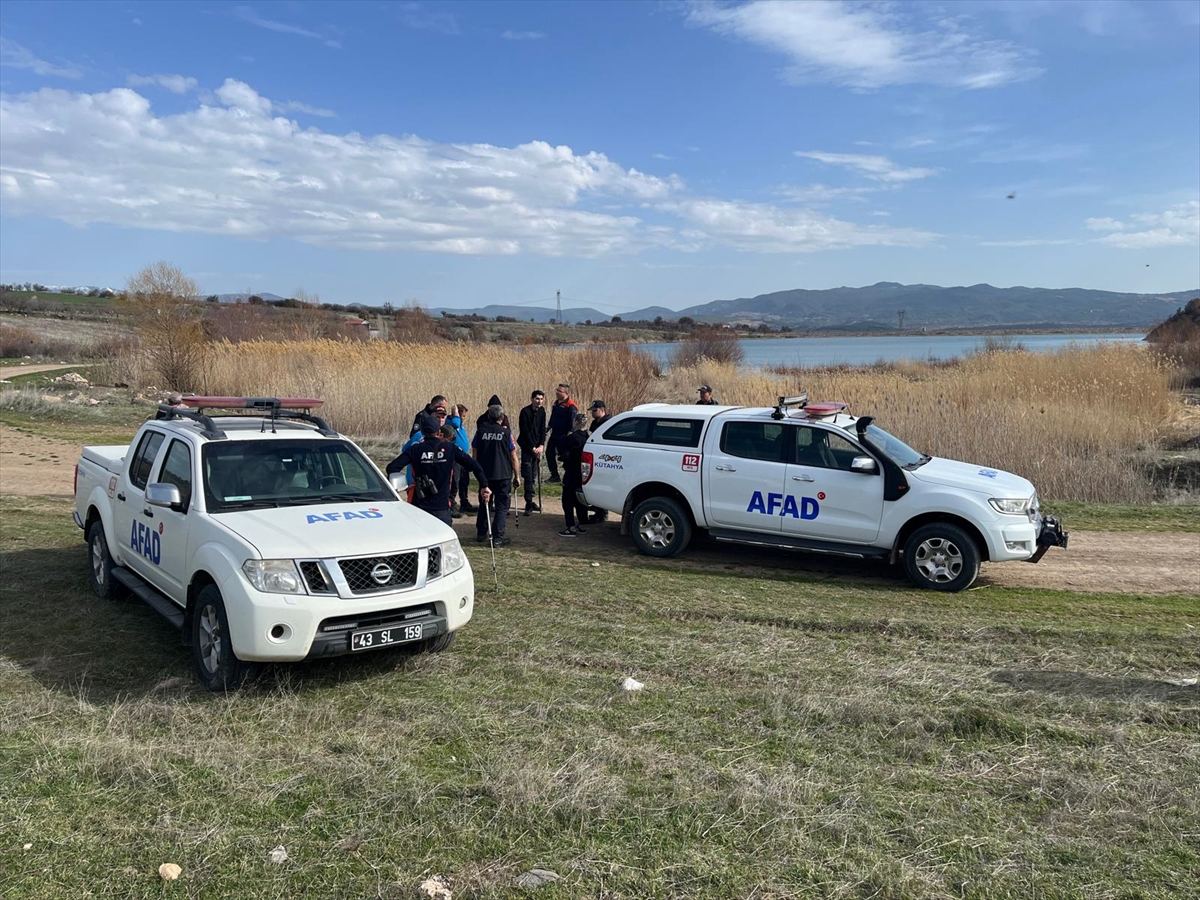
<point>430,425</point>
<point>704,389</point>
<point>598,404</point>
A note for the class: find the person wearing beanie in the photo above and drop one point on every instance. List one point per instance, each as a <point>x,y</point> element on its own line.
<point>493,401</point>
<point>496,452</point>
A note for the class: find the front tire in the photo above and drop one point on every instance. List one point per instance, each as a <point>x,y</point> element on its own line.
<point>941,557</point>
<point>212,650</point>
<point>100,563</point>
<point>661,527</point>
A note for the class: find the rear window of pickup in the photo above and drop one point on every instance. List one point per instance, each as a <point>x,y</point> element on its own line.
<point>653,430</point>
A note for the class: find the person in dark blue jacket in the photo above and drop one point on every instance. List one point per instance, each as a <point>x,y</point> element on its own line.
<point>496,451</point>
<point>433,460</point>
<point>562,423</point>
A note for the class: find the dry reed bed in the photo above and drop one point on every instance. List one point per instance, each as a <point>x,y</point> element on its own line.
<point>1070,421</point>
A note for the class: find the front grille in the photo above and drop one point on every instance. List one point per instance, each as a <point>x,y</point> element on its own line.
<point>377,619</point>
<point>360,574</point>
<point>435,562</point>
<point>314,577</point>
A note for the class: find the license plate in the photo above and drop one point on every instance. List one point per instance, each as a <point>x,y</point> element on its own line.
<point>385,637</point>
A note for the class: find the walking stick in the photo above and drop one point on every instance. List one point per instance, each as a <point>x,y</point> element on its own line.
<point>539,481</point>
<point>487,511</point>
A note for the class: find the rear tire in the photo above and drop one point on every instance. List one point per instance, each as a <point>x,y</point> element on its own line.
<point>212,649</point>
<point>661,527</point>
<point>100,563</point>
<point>941,557</point>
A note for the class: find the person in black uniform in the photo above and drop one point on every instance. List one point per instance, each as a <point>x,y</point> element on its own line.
<point>573,477</point>
<point>432,460</point>
<point>496,451</point>
<point>599,412</point>
<point>532,441</point>
<point>431,408</point>
<point>706,397</point>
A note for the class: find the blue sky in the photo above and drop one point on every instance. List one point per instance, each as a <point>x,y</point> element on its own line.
<point>627,154</point>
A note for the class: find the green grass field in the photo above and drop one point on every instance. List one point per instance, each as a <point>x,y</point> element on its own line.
<point>799,735</point>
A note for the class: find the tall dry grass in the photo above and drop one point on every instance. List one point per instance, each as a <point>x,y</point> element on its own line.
<point>1072,421</point>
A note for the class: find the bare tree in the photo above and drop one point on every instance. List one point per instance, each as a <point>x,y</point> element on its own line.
<point>161,300</point>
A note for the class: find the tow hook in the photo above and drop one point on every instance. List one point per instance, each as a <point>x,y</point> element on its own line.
<point>1051,535</point>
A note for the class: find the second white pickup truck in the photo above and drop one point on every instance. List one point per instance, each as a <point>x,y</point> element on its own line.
<point>267,536</point>
<point>809,477</point>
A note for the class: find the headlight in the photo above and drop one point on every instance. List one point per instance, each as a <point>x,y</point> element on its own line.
<point>1011,506</point>
<point>453,557</point>
<point>273,576</point>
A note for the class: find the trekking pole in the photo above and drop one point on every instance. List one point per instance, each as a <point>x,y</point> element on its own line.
<point>516,513</point>
<point>487,511</point>
<point>539,481</point>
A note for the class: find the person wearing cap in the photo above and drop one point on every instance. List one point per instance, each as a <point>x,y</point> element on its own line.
<point>438,402</point>
<point>532,441</point>
<point>432,462</point>
<point>599,419</point>
<point>706,397</point>
<point>562,424</point>
<point>496,452</point>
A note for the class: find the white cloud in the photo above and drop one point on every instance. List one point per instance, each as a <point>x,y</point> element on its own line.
<point>1176,226</point>
<point>1028,242</point>
<point>660,156</point>
<point>824,193</point>
<point>765,228</point>
<point>523,35</point>
<point>230,166</point>
<point>14,56</point>
<point>176,84</point>
<point>415,15</point>
<point>250,17</point>
<point>879,168</point>
<point>297,106</point>
<point>869,46</point>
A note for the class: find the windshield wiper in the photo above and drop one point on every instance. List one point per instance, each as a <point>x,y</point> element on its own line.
<point>248,504</point>
<point>916,465</point>
<point>328,498</point>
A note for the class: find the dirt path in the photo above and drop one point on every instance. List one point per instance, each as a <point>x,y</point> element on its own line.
<point>1097,561</point>
<point>10,371</point>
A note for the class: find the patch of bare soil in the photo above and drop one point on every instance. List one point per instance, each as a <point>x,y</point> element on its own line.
<point>31,465</point>
<point>1151,563</point>
<point>11,371</point>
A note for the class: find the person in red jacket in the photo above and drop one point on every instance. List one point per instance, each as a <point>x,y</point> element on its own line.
<point>562,424</point>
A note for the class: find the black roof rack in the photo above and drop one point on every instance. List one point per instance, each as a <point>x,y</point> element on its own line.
<point>799,400</point>
<point>269,408</point>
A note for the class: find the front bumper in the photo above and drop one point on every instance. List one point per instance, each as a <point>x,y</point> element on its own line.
<point>1051,534</point>
<point>286,628</point>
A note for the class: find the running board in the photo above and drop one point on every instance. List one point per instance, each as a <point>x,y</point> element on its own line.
<point>149,596</point>
<point>786,542</point>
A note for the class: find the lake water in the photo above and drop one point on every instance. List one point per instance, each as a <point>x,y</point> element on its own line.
<point>825,351</point>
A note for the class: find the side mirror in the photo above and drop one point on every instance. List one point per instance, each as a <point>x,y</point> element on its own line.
<point>864,465</point>
<point>399,484</point>
<point>167,495</point>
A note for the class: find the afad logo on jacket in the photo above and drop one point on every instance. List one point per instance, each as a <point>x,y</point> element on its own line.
<point>784,505</point>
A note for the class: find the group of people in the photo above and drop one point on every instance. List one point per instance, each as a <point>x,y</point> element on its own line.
<point>440,459</point>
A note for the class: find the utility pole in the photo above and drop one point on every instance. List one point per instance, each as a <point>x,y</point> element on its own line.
<point>558,303</point>
<point>900,316</point>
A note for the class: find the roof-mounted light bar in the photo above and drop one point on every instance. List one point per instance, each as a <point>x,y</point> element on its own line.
<point>800,400</point>
<point>271,408</point>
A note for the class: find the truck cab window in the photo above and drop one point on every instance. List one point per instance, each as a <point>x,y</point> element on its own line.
<point>177,470</point>
<point>754,440</point>
<point>143,459</point>
<point>823,449</point>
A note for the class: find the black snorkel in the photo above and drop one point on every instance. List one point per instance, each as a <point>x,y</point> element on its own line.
<point>895,484</point>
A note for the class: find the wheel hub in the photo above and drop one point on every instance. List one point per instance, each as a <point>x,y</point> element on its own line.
<point>210,639</point>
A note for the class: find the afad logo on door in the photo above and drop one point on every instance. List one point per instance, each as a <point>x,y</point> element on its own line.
<point>146,541</point>
<point>784,505</point>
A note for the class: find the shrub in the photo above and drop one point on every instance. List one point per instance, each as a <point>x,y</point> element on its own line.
<point>160,301</point>
<point>717,345</point>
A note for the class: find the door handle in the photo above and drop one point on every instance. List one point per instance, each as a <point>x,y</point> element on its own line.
<point>121,497</point>
<point>147,512</point>
<point>726,469</point>
<point>802,478</point>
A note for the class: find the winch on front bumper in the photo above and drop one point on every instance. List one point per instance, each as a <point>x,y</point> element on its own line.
<point>1051,534</point>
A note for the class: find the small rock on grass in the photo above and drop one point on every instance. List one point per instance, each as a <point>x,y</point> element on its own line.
<point>351,843</point>
<point>169,871</point>
<point>436,887</point>
<point>632,684</point>
<point>278,855</point>
<point>535,878</point>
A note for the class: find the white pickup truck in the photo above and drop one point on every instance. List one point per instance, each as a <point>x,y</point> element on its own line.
<point>809,477</point>
<point>266,536</point>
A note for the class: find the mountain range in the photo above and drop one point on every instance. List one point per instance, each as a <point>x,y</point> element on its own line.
<point>877,307</point>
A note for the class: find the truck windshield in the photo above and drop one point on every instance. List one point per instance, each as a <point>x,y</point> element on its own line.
<point>256,474</point>
<point>903,455</point>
